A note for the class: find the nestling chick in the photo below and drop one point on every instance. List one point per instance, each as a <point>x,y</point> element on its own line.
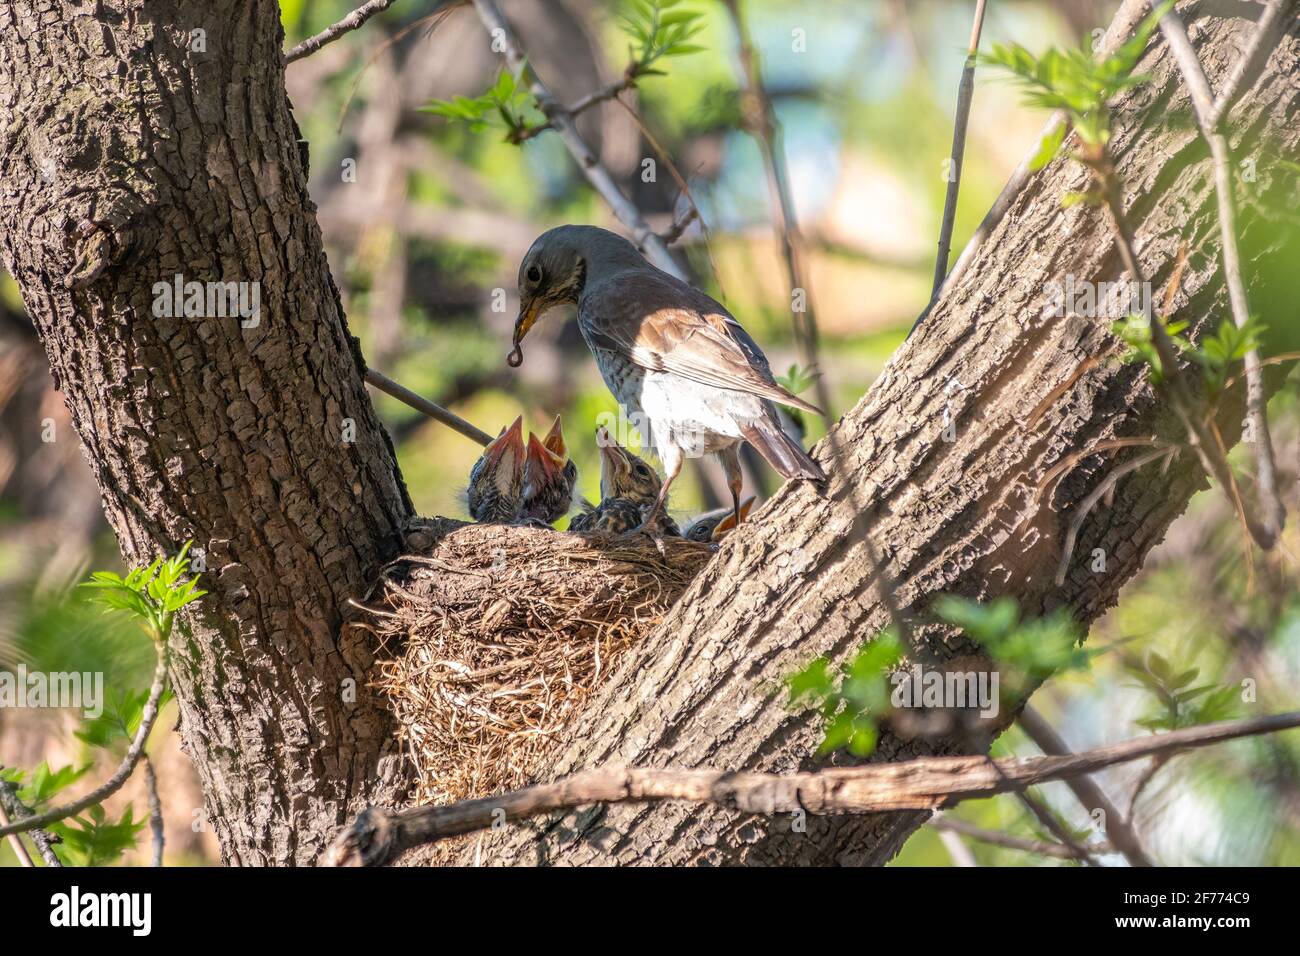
<point>669,353</point>
<point>549,477</point>
<point>496,482</point>
<point>628,488</point>
<point>716,525</point>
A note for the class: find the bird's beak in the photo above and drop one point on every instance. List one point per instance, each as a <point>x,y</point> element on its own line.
<point>529,312</point>
<point>508,447</point>
<point>554,440</point>
<point>539,456</point>
<point>728,523</point>
<point>612,459</point>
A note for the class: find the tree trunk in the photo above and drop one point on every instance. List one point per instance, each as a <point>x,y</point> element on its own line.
<point>959,516</point>
<point>139,141</point>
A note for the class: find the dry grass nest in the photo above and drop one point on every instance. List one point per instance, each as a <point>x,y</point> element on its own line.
<point>496,635</point>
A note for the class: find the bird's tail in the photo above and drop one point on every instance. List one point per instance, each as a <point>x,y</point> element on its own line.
<point>781,451</point>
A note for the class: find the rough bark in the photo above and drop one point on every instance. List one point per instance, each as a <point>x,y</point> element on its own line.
<point>130,152</point>
<point>951,517</point>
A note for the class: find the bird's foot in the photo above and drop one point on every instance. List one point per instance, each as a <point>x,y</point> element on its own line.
<point>534,523</point>
<point>655,533</point>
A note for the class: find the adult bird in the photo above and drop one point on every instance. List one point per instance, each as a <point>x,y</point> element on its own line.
<point>629,491</point>
<point>674,358</point>
<point>549,477</point>
<point>496,482</point>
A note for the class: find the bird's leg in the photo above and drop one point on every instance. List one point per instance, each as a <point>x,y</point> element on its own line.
<point>730,458</point>
<point>672,459</point>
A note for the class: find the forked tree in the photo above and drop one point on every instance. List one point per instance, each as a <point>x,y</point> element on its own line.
<point>145,140</point>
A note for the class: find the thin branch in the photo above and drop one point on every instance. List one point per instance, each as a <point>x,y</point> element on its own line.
<point>1010,841</point>
<point>1215,464</point>
<point>762,123</point>
<point>681,182</point>
<point>423,405</point>
<point>16,842</point>
<point>602,95</point>
<point>679,226</point>
<point>1267,33</point>
<point>1148,775</point>
<point>352,21</point>
<point>958,851</point>
<point>561,120</point>
<point>1208,113</point>
<point>1102,490</point>
<point>434,20</point>
<point>159,838</point>
<point>1088,792</point>
<point>43,839</point>
<point>114,783</point>
<point>1126,19</point>
<point>965,92</point>
<point>930,783</point>
<point>1073,849</point>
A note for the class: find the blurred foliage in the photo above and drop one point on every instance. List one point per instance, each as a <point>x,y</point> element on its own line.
<point>149,599</point>
<point>1077,82</point>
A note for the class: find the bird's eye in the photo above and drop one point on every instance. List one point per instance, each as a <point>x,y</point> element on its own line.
<point>534,274</point>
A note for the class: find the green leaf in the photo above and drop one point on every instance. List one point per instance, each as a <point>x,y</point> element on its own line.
<point>1048,147</point>
<point>94,840</point>
<point>45,783</point>
<point>813,681</point>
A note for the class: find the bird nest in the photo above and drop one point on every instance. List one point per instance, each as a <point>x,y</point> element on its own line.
<point>496,635</point>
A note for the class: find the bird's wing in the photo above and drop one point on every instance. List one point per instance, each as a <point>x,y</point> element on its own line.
<point>666,326</point>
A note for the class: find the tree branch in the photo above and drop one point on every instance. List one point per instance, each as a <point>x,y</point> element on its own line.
<point>157,834</point>
<point>432,409</point>
<point>1010,841</point>
<point>560,119</point>
<point>1208,113</point>
<point>1267,33</point>
<point>124,769</point>
<point>965,91</point>
<point>43,839</point>
<point>352,21</point>
<point>1088,792</point>
<point>1126,19</point>
<point>925,784</point>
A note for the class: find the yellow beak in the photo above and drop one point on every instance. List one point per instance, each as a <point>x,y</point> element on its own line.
<point>528,315</point>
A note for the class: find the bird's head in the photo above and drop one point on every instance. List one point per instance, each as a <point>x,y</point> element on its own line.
<point>555,271</point>
<point>497,478</point>
<point>549,476</point>
<point>623,474</point>
<point>552,273</point>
